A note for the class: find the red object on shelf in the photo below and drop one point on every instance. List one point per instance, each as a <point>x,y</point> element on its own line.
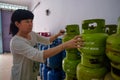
<point>46,34</point>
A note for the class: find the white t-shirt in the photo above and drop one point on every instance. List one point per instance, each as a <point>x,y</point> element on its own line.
<point>26,58</point>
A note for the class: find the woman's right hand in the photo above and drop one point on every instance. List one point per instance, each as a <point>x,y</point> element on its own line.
<point>76,42</point>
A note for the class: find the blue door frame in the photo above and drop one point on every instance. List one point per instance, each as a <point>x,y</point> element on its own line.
<point>1,43</point>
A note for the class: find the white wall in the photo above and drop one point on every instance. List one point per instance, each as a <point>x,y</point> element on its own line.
<point>65,12</point>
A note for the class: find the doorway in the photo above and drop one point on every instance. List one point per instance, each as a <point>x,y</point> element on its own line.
<point>5,21</point>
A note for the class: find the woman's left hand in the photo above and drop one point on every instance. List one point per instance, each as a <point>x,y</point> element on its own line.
<point>61,32</point>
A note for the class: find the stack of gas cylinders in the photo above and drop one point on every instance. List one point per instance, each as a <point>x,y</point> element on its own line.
<point>72,58</point>
<point>98,59</point>
<point>113,53</point>
<point>92,65</point>
<point>52,68</point>
<point>109,29</point>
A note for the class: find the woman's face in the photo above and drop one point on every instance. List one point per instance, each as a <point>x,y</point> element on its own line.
<point>25,26</point>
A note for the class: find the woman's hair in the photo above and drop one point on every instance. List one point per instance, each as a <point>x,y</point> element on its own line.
<point>19,15</point>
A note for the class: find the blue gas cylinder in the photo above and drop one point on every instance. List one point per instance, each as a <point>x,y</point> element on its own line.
<point>45,70</point>
<point>56,42</point>
<point>56,60</point>
<point>41,66</point>
<point>55,74</point>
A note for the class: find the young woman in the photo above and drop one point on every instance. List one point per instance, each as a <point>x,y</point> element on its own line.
<point>25,56</point>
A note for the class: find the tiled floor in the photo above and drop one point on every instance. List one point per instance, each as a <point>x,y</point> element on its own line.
<point>5,66</point>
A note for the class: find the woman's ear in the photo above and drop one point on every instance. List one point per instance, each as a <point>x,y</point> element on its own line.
<point>17,23</point>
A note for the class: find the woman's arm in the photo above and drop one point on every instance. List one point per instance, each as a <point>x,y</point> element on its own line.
<point>76,42</point>
<point>52,38</point>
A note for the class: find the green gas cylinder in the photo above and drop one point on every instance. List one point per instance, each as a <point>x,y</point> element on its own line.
<point>69,66</point>
<point>94,36</point>
<point>92,61</point>
<point>71,31</point>
<point>115,70</point>
<point>111,29</point>
<point>72,55</point>
<point>113,46</point>
<point>87,73</point>
<point>93,52</point>
<point>108,76</point>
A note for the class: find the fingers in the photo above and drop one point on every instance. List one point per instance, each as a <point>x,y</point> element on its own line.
<point>76,42</point>
<point>78,37</point>
<point>62,31</point>
<point>79,41</point>
<point>80,44</point>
